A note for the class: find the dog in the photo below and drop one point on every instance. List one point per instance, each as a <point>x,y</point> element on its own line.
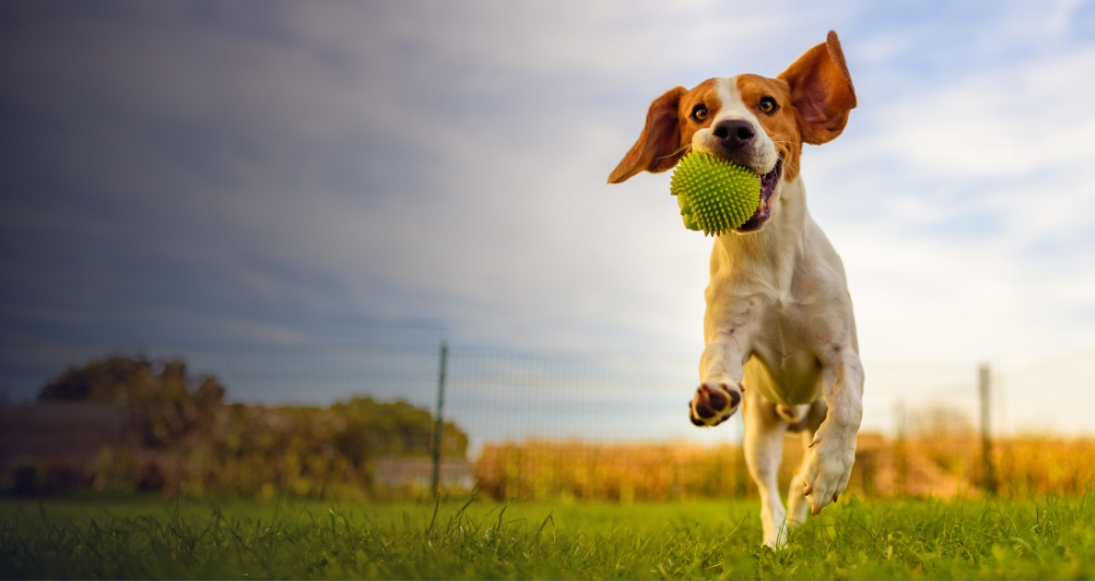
<point>779,331</point>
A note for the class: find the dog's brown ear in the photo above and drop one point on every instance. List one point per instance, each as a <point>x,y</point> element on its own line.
<point>657,147</point>
<point>821,91</point>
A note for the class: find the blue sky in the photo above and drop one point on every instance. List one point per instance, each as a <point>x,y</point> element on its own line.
<point>259,171</point>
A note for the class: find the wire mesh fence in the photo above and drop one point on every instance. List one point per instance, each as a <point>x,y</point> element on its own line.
<point>541,423</point>
<point>493,394</point>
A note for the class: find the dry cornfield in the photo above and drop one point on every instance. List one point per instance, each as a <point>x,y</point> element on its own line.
<point>943,467</point>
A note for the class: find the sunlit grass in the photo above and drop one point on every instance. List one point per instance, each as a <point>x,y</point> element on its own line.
<point>156,538</point>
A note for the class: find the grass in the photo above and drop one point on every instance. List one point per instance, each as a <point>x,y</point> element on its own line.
<point>156,538</point>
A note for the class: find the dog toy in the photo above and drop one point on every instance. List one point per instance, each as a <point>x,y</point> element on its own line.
<point>715,195</point>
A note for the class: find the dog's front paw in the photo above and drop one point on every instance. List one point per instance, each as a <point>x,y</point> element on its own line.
<point>714,403</point>
<point>828,467</point>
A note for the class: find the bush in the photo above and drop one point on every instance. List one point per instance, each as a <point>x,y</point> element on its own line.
<point>182,437</point>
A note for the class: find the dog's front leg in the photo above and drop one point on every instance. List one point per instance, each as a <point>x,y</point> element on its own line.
<point>829,465</point>
<point>719,393</point>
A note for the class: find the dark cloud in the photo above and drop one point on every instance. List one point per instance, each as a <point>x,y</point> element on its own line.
<point>253,169</point>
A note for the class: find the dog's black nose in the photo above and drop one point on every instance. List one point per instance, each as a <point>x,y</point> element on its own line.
<point>734,133</point>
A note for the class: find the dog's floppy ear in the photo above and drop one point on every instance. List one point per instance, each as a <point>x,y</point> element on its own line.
<point>821,91</point>
<point>657,147</point>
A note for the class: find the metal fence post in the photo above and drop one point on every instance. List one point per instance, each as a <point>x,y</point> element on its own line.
<point>440,426</point>
<point>986,431</point>
<point>901,452</point>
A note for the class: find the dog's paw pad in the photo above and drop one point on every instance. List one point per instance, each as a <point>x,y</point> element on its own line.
<point>713,404</point>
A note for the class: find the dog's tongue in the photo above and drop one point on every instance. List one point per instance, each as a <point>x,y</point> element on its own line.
<point>765,193</point>
<point>767,184</point>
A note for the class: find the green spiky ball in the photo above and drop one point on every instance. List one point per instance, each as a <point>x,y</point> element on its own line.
<point>714,194</point>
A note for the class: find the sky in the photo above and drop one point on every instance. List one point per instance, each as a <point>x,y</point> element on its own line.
<point>274,171</point>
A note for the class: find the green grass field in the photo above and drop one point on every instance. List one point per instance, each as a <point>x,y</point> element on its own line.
<point>156,538</point>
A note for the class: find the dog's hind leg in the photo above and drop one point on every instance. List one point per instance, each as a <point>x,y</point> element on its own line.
<point>764,430</point>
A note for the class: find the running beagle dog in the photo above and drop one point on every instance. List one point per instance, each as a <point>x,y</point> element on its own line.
<point>779,329</point>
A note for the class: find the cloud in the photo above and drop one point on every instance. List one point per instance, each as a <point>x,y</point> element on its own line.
<point>209,170</point>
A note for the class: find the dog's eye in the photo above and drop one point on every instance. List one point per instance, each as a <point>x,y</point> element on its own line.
<point>699,112</point>
<point>768,105</point>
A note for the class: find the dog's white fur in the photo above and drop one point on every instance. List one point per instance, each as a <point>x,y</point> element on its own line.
<point>779,327</point>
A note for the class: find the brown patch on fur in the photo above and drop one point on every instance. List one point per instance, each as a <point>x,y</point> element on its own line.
<point>654,151</point>
<point>821,91</point>
<point>706,93</point>
<point>782,126</point>
<point>667,135</point>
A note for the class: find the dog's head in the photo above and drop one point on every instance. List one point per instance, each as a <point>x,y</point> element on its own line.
<point>758,122</point>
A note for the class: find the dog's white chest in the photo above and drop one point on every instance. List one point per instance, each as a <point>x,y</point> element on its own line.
<point>784,366</point>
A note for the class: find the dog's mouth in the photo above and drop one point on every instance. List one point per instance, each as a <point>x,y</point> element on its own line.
<point>768,183</point>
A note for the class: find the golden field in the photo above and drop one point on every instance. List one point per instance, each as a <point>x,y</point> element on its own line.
<point>940,466</point>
